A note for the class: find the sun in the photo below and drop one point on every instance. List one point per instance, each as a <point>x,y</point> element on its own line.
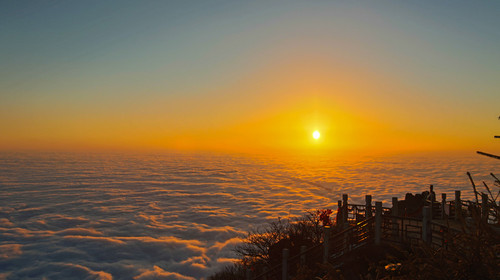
<point>316,134</point>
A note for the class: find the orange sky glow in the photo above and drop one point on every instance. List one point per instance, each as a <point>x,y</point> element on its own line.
<point>249,79</point>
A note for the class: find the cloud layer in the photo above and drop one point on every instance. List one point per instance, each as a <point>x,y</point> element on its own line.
<point>178,216</point>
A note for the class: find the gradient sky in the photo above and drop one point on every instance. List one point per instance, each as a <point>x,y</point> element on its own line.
<point>250,75</point>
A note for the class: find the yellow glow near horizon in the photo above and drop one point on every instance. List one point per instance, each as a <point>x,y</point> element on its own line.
<point>316,134</point>
<point>261,97</point>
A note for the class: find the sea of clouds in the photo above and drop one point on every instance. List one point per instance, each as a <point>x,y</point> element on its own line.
<point>179,215</point>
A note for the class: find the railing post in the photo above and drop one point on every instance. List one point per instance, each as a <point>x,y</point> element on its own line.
<point>326,243</point>
<point>484,207</point>
<point>248,274</point>
<point>395,207</point>
<point>443,206</point>
<point>346,208</point>
<point>303,249</point>
<point>378,222</point>
<point>497,212</point>
<point>458,206</point>
<point>395,213</point>
<point>284,265</point>
<point>368,207</point>
<point>432,197</point>
<point>426,219</point>
<point>340,213</point>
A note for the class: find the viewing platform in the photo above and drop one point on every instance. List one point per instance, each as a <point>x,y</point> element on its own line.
<point>417,220</point>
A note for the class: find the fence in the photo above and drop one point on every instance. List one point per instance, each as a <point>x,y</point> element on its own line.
<point>332,248</point>
<point>364,224</point>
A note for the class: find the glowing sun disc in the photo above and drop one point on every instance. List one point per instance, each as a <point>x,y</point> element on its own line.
<point>316,135</point>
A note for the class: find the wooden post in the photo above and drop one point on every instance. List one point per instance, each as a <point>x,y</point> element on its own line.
<point>484,207</point>
<point>378,222</point>
<point>395,213</point>
<point>458,206</point>
<point>426,219</point>
<point>248,274</point>
<point>443,206</point>
<point>368,209</point>
<point>346,209</point>
<point>340,213</point>
<point>265,270</point>
<point>284,264</point>
<point>326,243</point>
<point>395,207</point>
<point>303,249</point>
<point>431,198</point>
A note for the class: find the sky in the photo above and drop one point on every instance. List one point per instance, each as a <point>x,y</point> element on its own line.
<point>250,76</point>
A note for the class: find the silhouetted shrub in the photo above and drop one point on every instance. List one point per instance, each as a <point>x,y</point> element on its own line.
<point>263,247</point>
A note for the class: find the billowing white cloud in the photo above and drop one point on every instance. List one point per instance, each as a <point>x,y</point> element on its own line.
<point>178,216</point>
